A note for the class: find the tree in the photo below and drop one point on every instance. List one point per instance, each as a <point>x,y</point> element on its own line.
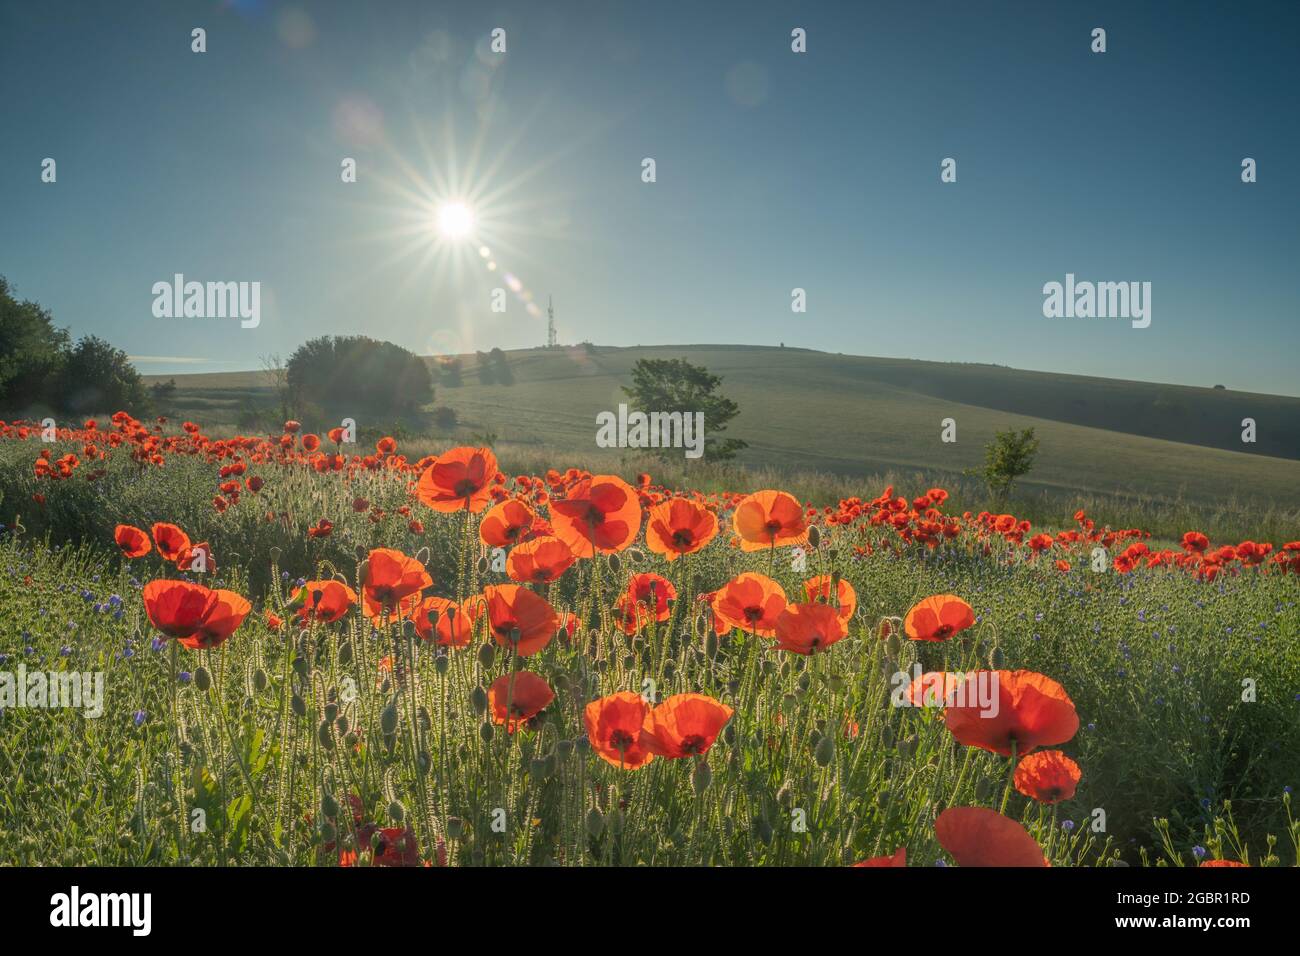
<point>351,373</point>
<point>675,385</point>
<point>32,351</point>
<point>96,377</point>
<point>1009,456</point>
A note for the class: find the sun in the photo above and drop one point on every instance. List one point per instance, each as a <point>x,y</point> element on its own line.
<point>455,220</point>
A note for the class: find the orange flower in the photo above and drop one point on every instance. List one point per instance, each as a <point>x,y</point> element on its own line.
<point>601,513</point>
<point>273,621</point>
<point>808,628</point>
<point>391,583</point>
<point>517,698</point>
<point>898,859</point>
<point>539,561</point>
<point>678,527</point>
<point>519,618</point>
<point>685,725</point>
<point>1047,776</point>
<point>616,729</point>
<point>506,524</point>
<point>769,519</point>
<point>974,836</point>
<point>459,478</point>
<point>223,618</point>
<point>751,602</point>
<point>455,621</point>
<point>326,601</point>
<point>171,541</point>
<point>1221,863</point>
<point>932,689</point>
<point>1031,711</point>
<point>177,608</point>
<point>133,542</point>
<point>938,618</point>
<point>819,589</point>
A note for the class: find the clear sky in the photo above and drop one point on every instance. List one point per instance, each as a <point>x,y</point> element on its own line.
<point>775,170</point>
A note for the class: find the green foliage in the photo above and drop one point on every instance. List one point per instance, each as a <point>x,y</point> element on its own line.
<point>32,351</point>
<point>675,385</point>
<point>97,377</point>
<point>353,373</point>
<point>1009,456</point>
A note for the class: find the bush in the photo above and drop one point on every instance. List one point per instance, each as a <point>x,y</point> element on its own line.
<point>354,373</point>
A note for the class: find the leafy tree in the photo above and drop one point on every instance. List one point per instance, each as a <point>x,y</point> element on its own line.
<point>1009,456</point>
<point>675,385</point>
<point>32,351</point>
<point>96,377</point>
<point>486,372</point>
<point>356,373</point>
<point>502,365</point>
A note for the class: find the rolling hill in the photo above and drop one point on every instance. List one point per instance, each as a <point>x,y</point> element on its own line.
<point>852,414</point>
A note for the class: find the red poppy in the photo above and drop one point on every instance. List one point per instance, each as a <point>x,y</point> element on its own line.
<point>974,836</point>
<point>1031,711</point>
<point>601,513</point>
<point>391,582</point>
<point>678,527</point>
<point>819,589</point>
<point>751,602</point>
<point>539,561</point>
<point>325,601</point>
<point>177,608</point>
<point>685,725</point>
<point>1195,543</point>
<point>616,729</point>
<point>459,479</point>
<point>938,618</point>
<point>171,541</point>
<point>519,618</point>
<point>1222,863</point>
<point>768,519</point>
<point>506,524</point>
<point>932,689</point>
<point>1047,776</point>
<point>517,698</point>
<point>133,542</point>
<point>899,858</point>
<point>386,445</point>
<point>808,628</point>
<point>223,618</point>
<point>456,622</point>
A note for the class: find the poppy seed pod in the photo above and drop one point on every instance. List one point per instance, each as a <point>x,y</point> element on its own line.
<point>482,565</point>
<point>615,563</point>
<point>814,537</point>
<point>202,679</point>
<point>824,752</point>
<point>396,812</point>
<point>325,735</point>
<point>702,777</point>
<point>997,659</point>
<point>299,706</point>
<point>345,652</point>
<point>259,679</point>
<point>331,711</point>
<point>441,663</point>
<point>485,732</point>
<point>478,699</point>
<point>595,822</point>
<point>388,719</point>
<point>486,654</point>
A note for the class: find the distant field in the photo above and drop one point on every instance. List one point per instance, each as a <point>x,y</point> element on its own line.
<point>853,415</point>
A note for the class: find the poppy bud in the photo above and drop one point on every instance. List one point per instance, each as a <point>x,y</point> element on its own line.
<point>997,659</point>
<point>422,718</point>
<point>595,822</point>
<point>388,719</point>
<point>345,652</point>
<point>478,699</point>
<point>615,822</point>
<point>711,645</point>
<point>482,566</point>
<point>202,679</point>
<point>887,735</point>
<point>814,537</point>
<point>582,743</point>
<point>441,663</point>
<point>789,703</point>
<point>423,555</point>
<point>327,832</point>
<point>341,725</point>
<point>629,661</point>
<point>702,777</point>
<point>396,812</point>
<point>615,563</point>
<point>486,654</point>
<point>363,570</point>
<point>351,739</point>
<point>485,732</point>
<point>825,750</point>
<point>331,711</point>
<point>259,679</point>
<point>635,555</point>
<point>888,667</point>
<point>329,807</point>
<point>729,733</point>
<point>893,644</point>
<point>325,736</point>
<point>805,681</point>
<point>835,683</point>
<point>298,705</point>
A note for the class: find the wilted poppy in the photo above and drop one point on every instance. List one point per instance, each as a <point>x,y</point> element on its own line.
<point>133,542</point>
<point>808,628</point>
<point>899,858</point>
<point>974,836</point>
<point>685,725</point>
<point>517,698</point>
<point>506,524</point>
<point>846,599</point>
<point>600,513</point>
<point>520,619</point>
<point>389,579</point>
<point>679,526</point>
<point>226,612</point>
<point>938,618</point>
<point>616,729</point>
<point>325,601</point>
<point>177,608</point>
<point>750,601</point>
<point>539,561</point>
<point>1030,710</point>
<point>768,519</point>
<point>1047,776</point>
<point>459,479</point>
<point>171,540</point>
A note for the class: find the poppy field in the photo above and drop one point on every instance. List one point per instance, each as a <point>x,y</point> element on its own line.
<point>314,656</point>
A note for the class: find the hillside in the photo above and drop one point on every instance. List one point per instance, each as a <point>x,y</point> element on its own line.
<point>853,414</point>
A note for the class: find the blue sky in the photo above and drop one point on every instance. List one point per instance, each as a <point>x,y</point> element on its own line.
<point>775,170</point>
